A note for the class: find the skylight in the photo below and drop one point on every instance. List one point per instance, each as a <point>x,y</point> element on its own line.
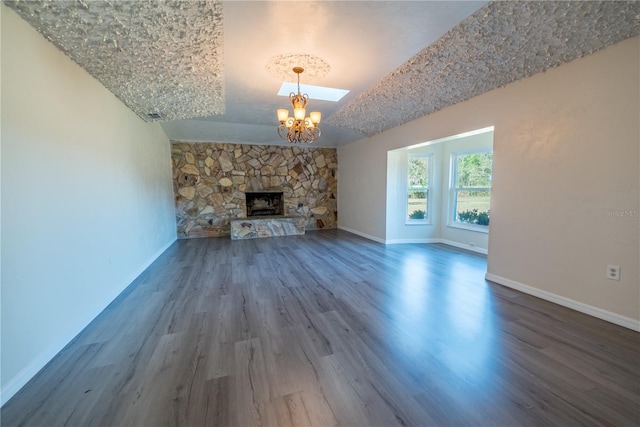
<point>315,92</point>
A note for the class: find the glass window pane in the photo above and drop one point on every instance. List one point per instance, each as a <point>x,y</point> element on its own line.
<point>417,204</point>
<point>418,172</point>
<point>472,207</point>
<point>474,170</point>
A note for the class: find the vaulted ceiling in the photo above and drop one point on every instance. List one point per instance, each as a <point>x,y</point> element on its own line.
<point>210,70</point>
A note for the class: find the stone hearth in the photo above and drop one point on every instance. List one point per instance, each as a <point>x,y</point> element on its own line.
<point>256,228</point>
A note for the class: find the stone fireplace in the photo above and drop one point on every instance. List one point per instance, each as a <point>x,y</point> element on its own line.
<point>264,203</point>
<point>211,182</point>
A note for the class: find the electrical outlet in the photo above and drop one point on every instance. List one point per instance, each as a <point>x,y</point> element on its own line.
<point>613,272</point>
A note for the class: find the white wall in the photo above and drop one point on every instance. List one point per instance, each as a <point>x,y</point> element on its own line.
<point>86,199</point>
<point>566,155</point>
<point>361,202</point>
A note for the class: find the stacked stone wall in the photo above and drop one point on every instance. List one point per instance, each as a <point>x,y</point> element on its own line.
<point>210,181</point>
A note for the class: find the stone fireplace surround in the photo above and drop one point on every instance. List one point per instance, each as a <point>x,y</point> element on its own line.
<point>211,180</point>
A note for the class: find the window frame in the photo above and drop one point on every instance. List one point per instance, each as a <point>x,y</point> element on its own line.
<point>452,218</point>
<point>428,189</point>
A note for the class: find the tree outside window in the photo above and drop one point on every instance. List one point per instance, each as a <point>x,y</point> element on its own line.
<point>418,187</point>
<point>471,189</point>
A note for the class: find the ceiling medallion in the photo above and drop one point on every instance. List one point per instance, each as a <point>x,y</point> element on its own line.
<point>298,129</point>
<point>280,66</point>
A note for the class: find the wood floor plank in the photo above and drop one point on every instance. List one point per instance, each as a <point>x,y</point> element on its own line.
<point>329,329</point>
<point>251,385</point>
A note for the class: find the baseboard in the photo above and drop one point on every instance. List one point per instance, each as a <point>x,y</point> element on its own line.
<point>599,313</point>
<point>28,372</point>
<point>443,241</point>
<point>361,234</point>
<point>466,247</point>
<point>402,241</point>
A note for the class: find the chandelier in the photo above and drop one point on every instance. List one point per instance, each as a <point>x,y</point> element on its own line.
<point>298,129</point>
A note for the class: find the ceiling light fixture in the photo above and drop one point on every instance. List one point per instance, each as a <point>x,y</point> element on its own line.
<point>299,129</point>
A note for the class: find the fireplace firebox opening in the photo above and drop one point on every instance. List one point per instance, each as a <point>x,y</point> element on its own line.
<point>265,203</point>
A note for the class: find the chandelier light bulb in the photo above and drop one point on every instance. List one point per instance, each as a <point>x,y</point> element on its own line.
<point>299,113</point>
<point>315,117</point>
<point>283,115</point>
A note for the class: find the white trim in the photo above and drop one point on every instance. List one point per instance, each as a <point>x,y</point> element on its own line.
<point>443,241</point>
<point>452,216</point>
<point>361,234</point>
<point>28,372</point>
<point>469,227</point>
<point>599,313</point>
<point>464,246</point>
<point>428,189</point>
<point>449,138</point>
<point>416,241</point>
<point>403,241</point>
<point>412,222</point>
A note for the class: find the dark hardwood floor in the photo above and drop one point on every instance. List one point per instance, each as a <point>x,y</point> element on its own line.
<point>332,329</point>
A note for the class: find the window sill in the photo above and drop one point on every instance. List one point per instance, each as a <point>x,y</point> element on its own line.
<point>470,227</point>
<point>417,222</point>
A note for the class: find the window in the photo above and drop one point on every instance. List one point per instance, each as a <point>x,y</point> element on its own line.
<point>418,187</point>
<point>471,189</point>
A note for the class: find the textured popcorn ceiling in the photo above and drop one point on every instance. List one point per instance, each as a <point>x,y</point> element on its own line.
<point>502,42</point>
<point>400,59</point>
<point>163,59</point>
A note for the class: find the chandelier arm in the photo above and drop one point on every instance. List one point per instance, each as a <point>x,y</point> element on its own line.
<point>298,98</point>
<point>315,132</point>
<point>283,131</point>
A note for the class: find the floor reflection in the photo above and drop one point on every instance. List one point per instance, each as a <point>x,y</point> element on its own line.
<point>429,298</point>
